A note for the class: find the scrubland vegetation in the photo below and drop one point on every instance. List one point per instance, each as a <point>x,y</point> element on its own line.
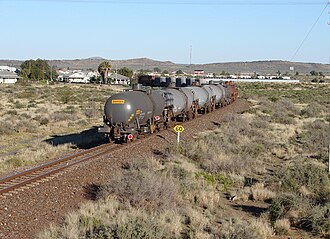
<point>31,114</point>
<point>260,174</point>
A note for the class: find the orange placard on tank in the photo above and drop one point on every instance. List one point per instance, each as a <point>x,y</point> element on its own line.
<point>118,102</point>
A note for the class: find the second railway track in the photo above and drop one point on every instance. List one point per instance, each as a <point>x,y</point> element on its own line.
<point>24,179</point>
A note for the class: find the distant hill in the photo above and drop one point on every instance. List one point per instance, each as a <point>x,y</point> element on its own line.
<point>263,67</point>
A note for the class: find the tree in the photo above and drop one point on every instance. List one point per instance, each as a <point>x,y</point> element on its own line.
<point>126,72</point>
<point>37,70</point>
<point>103,69</point>
<point>314,73</point>
<point>157,69</point>
<point>223,73</point>
<point>165,72</point>
<point>179,72</point>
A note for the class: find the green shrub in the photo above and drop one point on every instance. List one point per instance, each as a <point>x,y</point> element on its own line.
<point>26,126</point>
<point>284,204</point>
<point>314,139</point>
<point>220,179</point>
<point>19,105</point>
<point>12,112</point>
<point>6,127</point>
<point>304,174</point>
<point>282,117</point>
<point>26,116</point>
<point>65,95</point>
<point>111,219</point>
<point>139,228</point>
<point>44,121</point>
<point>313,109</point>
<point>318,220</point>
<point>15,162</point>
<point>142,188</point>
<point>63,116</point>
<point>238,229</point>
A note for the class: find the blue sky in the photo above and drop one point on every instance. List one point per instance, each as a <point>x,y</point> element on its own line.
<point>218,31</point>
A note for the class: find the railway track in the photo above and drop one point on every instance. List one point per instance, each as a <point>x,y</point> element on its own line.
<point>31,177</point>
<point>25,179</point>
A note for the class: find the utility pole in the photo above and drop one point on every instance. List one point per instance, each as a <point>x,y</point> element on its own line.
<point>116,74</point>
<point>51,73</point>
<point>190,59</point>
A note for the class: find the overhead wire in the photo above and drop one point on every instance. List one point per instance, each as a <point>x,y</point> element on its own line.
<point>182,2</point>
<point>309,32</point>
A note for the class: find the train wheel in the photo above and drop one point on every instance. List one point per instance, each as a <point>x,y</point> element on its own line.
<point>109,138</point>
<point>195,114</point>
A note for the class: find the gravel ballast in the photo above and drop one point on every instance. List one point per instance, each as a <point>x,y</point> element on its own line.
<point>25,213</point>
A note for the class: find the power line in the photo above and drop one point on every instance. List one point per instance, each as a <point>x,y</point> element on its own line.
<point>309,32</point>
<point>182,2</point>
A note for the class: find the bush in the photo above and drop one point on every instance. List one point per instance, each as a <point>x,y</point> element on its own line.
<point>288,206</point>
<point>282,117</point>
<point>219,179</point>
<point>111,219</point>
<point>282,226</point>
<point>6,127</point>
<point>142,188</point>
<point>62,116</point>
<point>238,229</point>
<point>26,126</point>
<point>14,162</point>
<point>19,105</point>
<point>314,139</point>
<point>65,95</point>
<point>313,109</point>
<point>305,174</point>
<point>318,220</point>
<point>12,112</point>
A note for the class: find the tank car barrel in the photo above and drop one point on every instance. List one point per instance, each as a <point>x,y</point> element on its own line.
<point>140,111</point>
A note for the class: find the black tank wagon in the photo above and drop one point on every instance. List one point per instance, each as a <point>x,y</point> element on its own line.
<point>134,112</point>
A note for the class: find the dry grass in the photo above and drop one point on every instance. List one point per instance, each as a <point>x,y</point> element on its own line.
<point>31,112</point>
<point>282,226</point>
<point>260,193</point>
<point>110,219</point>
<point>236,228</point>
<point>262,228</point>
<point>143,187</point>
<point>34,154</point>
<point>261,155</point>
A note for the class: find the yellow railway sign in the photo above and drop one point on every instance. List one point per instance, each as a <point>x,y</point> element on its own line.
<point>178,129</point>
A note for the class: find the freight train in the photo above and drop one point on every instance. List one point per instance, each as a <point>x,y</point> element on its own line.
<point>139,111</point>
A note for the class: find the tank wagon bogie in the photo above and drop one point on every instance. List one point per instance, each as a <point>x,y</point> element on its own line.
<point>136,112</point>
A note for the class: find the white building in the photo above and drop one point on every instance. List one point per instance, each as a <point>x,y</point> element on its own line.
<point>8,68</point>
<point>118,79</point>
<point>8,77</point>
<point>76,76</point>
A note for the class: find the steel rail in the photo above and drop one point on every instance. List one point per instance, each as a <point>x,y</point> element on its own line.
<point>47,165</point>
<point>29,176</point>
<point>45,170</point>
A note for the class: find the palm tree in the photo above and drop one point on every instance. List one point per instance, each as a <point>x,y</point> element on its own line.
<point>103,69</point>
